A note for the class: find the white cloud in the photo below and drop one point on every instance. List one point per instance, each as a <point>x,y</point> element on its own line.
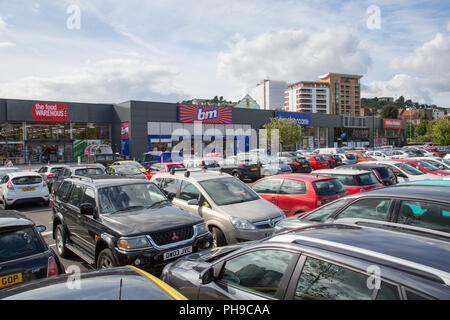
<point>3,26</point>
<point>293,55</point>
<point>424,75</point>
<point>111,81</point>
<point>6,44</point>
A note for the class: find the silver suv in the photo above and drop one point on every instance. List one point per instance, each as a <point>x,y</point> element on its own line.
<point>233,212</point>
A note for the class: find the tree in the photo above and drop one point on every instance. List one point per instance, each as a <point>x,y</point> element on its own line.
<point>400,102</point>
<point>440,131</point>
<point>421,129</point>
<point>389,111</point>
<point>289,132</point>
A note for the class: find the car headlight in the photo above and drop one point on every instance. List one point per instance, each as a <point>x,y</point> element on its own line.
<point>242,224</point>
<point>134,243</point>
<point>201,228</point>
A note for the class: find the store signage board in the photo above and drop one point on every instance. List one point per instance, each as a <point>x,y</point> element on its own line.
<point>302,119</point>
<point>50,111</point>
<point>124,131</point>
<point>205,114</point>
<point>392,124</point>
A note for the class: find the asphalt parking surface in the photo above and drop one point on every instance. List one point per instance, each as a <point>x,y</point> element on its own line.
<point>43,216</point>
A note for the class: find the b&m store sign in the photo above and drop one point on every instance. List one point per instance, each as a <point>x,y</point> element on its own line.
<point>205,114</point>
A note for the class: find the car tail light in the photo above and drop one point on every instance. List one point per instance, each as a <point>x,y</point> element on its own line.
<point>296,164</point>
<point>52,268</point>
<point>49,175</point>
<point>10,186</point>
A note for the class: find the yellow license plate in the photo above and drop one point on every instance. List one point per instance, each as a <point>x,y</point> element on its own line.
<point>254,169</point>
<point>29,189</point>
<point>10,280</point>
<point>305,166</point>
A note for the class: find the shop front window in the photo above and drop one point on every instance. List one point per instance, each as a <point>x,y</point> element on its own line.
<point>11,142</point>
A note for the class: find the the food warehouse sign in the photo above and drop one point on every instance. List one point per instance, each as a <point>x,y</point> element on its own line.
<point>48,111</point>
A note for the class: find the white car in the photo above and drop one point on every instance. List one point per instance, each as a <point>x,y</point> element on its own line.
<point>447,156</point>
<point>379,155</point>
<point>405,172</point>
<point>23,187</point>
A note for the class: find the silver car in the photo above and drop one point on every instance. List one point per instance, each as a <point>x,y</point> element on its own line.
<point>233,212</point>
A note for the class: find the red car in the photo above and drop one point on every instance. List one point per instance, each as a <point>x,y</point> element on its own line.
<point>355,181</point>
<point>317,161</point>
<point>299,193</point>
<point>436,152</point>
<point>163,167</point>
<point>424,166</point>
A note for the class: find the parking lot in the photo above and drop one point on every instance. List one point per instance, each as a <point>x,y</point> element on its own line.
<point>43,216</point>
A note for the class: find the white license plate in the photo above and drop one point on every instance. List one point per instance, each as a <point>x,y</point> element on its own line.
<point>176,253</point>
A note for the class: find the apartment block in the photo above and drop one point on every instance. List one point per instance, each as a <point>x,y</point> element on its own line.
<point>344,93</point>
<point>307,96</point>
<point>269,94</point>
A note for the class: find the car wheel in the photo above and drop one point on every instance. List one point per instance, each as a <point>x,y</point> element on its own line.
<point>106,260</point>
<point>45,203</point>
<point>218,238</point>
<point>60,240</point>
<point>5,205</point>
<point>236,175</point>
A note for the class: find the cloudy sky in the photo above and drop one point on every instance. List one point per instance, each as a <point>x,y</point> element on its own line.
<point>169,50</point>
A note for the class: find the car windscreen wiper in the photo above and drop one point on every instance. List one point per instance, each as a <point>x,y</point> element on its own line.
<point>129,208</point>
<point>158,203</point>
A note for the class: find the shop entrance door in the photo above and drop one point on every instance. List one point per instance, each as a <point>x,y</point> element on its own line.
<point>54,151</point>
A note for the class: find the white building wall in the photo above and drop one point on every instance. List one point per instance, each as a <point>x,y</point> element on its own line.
<point>274,94</point>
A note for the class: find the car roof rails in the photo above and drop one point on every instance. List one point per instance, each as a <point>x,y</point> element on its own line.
<point>440,274</point>
<point>392,225</point>
<point>85,178</point>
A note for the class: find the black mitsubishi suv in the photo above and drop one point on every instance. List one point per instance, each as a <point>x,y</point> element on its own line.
<point>109,221</point>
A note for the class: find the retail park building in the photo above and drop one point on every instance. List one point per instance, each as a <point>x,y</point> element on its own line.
<point>40,131</point>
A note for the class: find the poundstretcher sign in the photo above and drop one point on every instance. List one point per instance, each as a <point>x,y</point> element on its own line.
<point>49,111</point>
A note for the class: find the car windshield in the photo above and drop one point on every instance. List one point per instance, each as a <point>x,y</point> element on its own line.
<point>323,213</point>
<point>351,156</point>
<point>132,164</point>
<point>427,166</point>
<point>56,170</point>
<point>384,172</point>
<point>328,187</point>
<point>128,170</point>
<point>301,160</point>
<point>86,171</point>
<point>211,164</point>
<point>131,196</point>
<point>409,169</point>
<point>21,181</point>
<point>228,191</point>
<point>175,166</point>
<point>19,243</point>
<point>366,179</point>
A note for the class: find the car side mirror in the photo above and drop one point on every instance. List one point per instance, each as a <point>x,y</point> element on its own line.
<point>171,196</point>
<point>206,276</point>
<point>41,228</point>
<point>193,202</point>
<point>87,209</point>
